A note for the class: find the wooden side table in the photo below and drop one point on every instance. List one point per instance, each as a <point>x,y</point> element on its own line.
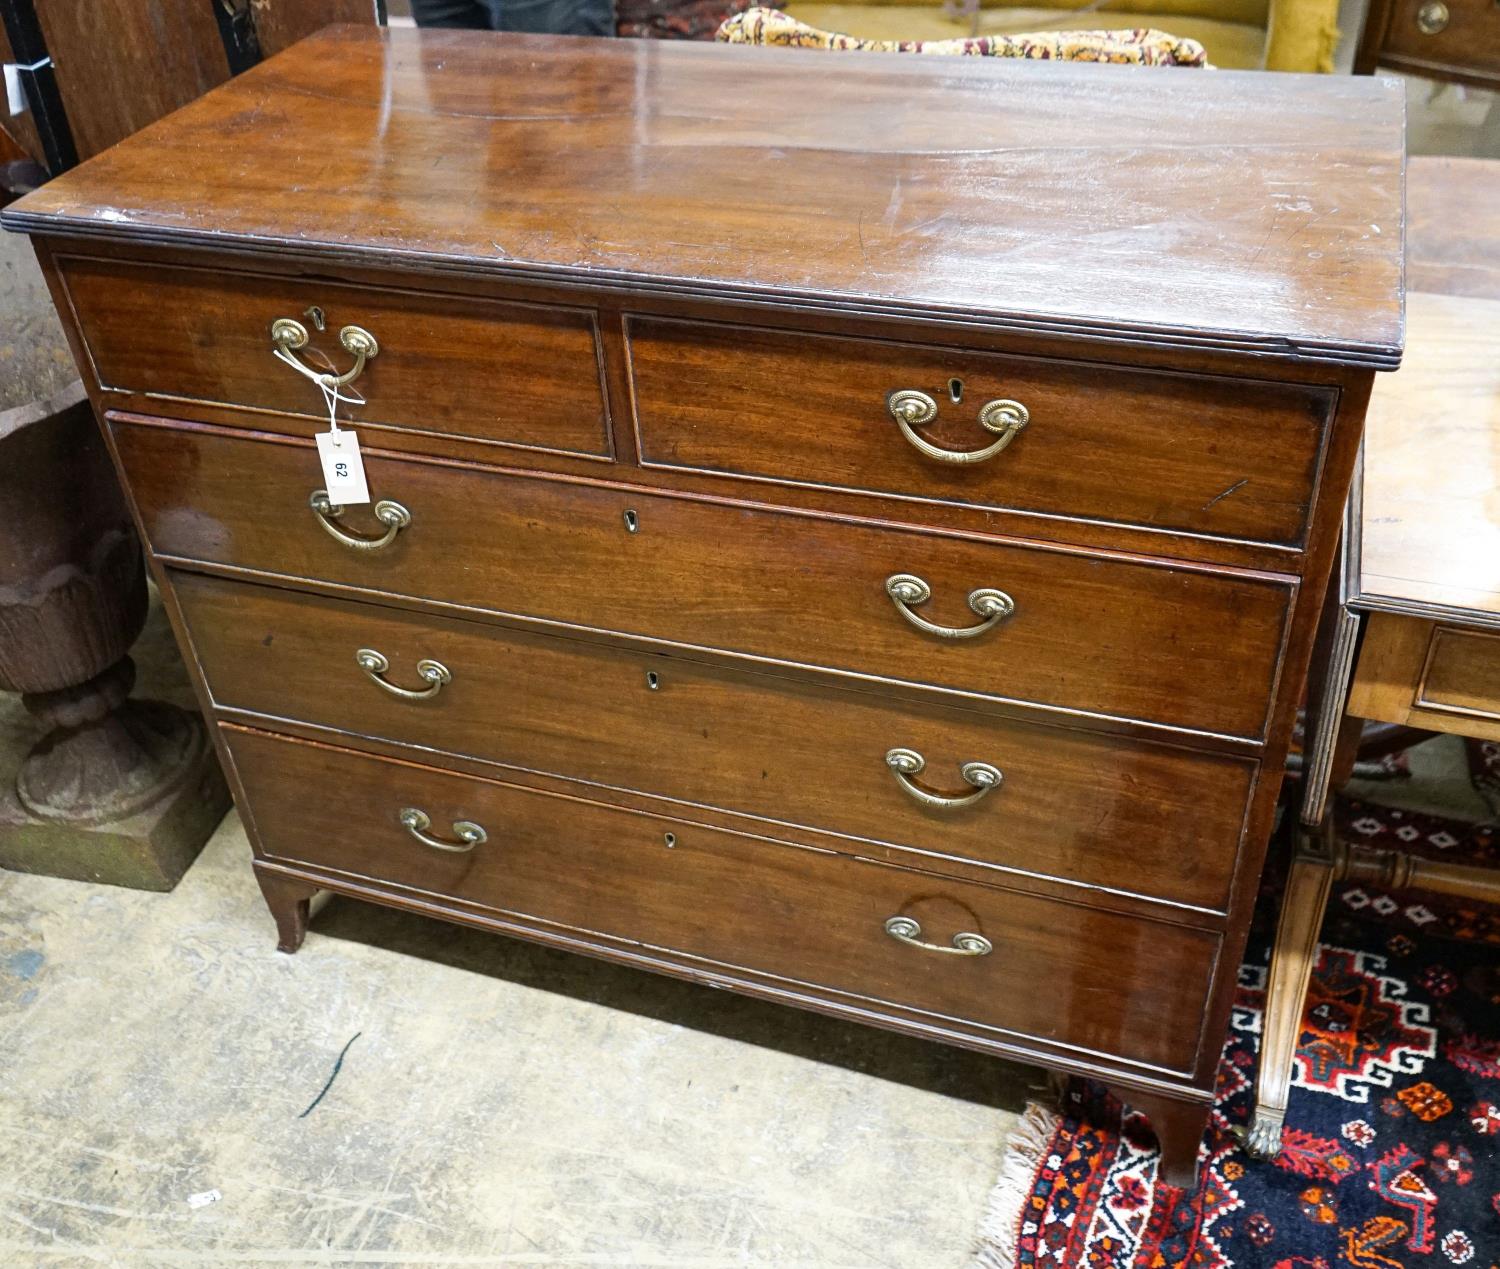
<point>1411,636</point>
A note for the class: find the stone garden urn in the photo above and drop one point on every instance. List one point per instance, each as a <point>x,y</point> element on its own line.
<point>107,788</point>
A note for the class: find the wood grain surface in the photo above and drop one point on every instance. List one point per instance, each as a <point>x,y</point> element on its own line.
<point>1430,517</point>
<point>1200,210</point>
<point>1453,210</point>
<point>512,374</point>
<point>1107,636</point>
<point>808,916</point>
<point>122,66</point>
<point>1103,811</point>
<point>1218,457</point>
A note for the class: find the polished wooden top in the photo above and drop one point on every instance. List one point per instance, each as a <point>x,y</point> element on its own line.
<point>1430,519</point>
<point>1227,210</point>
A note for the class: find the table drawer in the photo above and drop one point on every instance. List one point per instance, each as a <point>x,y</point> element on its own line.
<point>1055,972</point>
<point>1462,675</point>
<point>1156,642</point>
<point>1230,458</point>
<point>1140,817</point>
<point>516,374</point>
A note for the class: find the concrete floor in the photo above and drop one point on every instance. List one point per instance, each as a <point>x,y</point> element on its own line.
<point>503,1105</point>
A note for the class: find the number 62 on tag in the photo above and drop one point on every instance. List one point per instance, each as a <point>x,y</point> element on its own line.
<point>343,468</point>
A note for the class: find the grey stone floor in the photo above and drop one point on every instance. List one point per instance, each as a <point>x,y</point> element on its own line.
<point>503,1105</point>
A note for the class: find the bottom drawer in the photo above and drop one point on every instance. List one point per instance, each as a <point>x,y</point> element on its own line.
<point>1062,973</point>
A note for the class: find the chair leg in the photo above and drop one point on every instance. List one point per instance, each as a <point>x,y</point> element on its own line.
<point>1292,959</point>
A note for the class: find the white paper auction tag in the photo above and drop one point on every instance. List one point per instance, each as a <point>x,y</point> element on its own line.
<point>343,468</point>
<point>15,95</point>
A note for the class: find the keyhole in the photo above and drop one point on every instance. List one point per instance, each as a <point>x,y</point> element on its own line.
<point>315,315</point>
<point>652,681</point>
<point>632,522</point>
<point>670,839</point>
<point>955,390</point>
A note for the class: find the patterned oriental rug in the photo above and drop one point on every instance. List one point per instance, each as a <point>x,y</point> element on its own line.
<point>1391,1153</point>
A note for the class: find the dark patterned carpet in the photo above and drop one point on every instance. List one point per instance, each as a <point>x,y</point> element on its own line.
<point>1391,1155</point>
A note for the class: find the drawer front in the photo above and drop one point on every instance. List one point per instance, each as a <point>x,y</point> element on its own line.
<point>1462,675</point>
<point>1461,34</point>
<point>1164,644</point>
<point>1058,972</point>
<point>1228,458</point>
<point>516,374</point>
<point>1139,817</point>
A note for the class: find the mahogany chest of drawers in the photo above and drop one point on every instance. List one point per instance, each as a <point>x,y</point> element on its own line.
<point>848,529</point>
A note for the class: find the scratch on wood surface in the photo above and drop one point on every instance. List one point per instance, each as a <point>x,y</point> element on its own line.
<point>1239,484</point>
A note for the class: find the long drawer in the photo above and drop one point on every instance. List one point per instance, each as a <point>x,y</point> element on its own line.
<point>1054,971</point>
<point>1100,635</point>
<point>480,370</point>
<point>1104,811</point>
<point>1223,457</point>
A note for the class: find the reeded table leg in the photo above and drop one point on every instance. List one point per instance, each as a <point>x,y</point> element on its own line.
<point>1292,958</point>
<point>289,902</point>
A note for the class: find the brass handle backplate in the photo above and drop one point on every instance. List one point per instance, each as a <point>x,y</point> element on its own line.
<point>906,589</point>
<point>468,833</point>
<point>1433,17</point>
<point>907,931</point>
<point>911,408</point>
<point>288,335</point>
<point>905,763</point>
<point>393,515</point>
<point>433,673</point>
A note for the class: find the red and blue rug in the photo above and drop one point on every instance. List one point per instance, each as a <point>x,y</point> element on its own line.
<point>1391,1152</point>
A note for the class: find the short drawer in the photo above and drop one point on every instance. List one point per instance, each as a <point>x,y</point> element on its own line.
<point>1422,673</point>
<point>1103,811</point>
<point>1100,635</point>
<point>1462,675</point>
<point>1054,971</point>
<point>1458,34</point>
<point>1189,453</point>
<point>475,369</point>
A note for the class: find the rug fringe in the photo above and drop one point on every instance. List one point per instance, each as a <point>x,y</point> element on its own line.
<point>1025,1149</point>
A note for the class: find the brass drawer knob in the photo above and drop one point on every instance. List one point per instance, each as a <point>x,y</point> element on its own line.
<point>433,673</point>
<point>468,833</point>
<point>905,930</point>
<point>288,335</point>
<point>905,763</point>
<point>911,408</point>
<point>393,515</point>
<point>906,589</point>
<point>1433,17</point>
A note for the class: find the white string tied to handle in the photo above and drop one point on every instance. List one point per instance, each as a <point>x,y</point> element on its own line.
<point>327,384</point>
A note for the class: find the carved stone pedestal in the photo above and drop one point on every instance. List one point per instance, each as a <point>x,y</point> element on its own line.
<point>116,790</point>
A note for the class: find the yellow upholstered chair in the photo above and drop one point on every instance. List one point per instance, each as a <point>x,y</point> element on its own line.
<point>1286,35</point>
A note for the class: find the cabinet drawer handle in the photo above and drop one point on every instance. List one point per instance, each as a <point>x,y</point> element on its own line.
<point>469,834</point>
<point>906,589</point>
<point>1004,417</point>
<point>905,763</point>
<point>907,931</point>
<point>433,673</point>
<point>393,515</point>
<point>288,335</point>
<point>1432,18</point>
